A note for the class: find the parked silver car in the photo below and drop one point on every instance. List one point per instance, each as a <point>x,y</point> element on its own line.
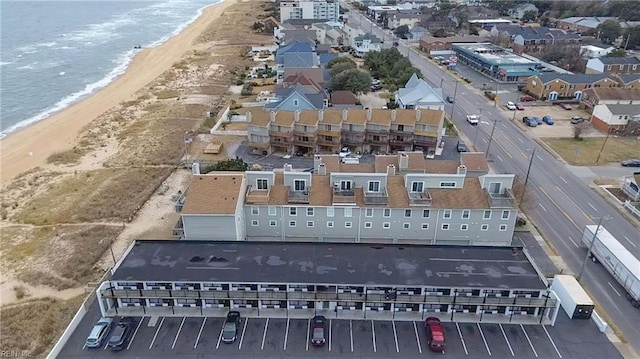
<point>99,333</point>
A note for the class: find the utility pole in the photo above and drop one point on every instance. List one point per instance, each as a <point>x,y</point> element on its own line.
<point>603,144</point>
<point>491,138</point>
<point>593,241</point>
<point>453,105</point>
<point>496,98</point>
<point>526,178</point>
<point>477,129</point>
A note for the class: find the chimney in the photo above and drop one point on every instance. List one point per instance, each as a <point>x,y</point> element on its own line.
<point>462,170</point>
<point>322,170</point>
<point>369,115</point>
<point>288,167</point>
<point>403,161</point>
<point>317,161</point>
<point>393,115</point>
<point>272,116</point>
<point>345,114</point>
<point>320,115</point>
<point>248,116</point>
<point>391,170</point>
<point>418,115</point>
<point>195,168</point>
<point>296,116</point>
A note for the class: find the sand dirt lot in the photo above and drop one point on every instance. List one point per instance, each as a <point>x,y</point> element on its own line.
<point>562,126</point>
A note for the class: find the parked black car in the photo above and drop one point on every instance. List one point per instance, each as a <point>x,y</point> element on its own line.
<point>576,120</point>
<point>120,335</point>
<point>630,163</point>
<point>462,147</point>
<point>450,99</point>
<point>231,325</point>
<point>317,330</point>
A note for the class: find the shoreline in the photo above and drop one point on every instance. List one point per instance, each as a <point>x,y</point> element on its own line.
<point>29,147</point>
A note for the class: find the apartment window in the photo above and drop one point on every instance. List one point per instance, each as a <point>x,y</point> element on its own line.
<point>486,215</point>
<point>484,227</point>
<point>608,67</point>
<point>299,185</point>
<point>331,211</point>
<point>295,102</point>
<point>369,212</point>
<point>386,225</point>
<point>503,227</point>
<point>348,224</point>
<point>634,67</point>
<point>387,212</point>
<point>374,186</point>
<point>425,213</point>
<point>466,214</point>
<point>262,183</point>
<point>621,67</point>
<point>425,226</point>
<point>273,223</point>
<point>407,213</point>
<point>446,214</point>
<point>348,212</point>
<point>464,227</point>
<point>505,214</point>
<point>292,223</point>
<point>345,185</point>
<point>330,224</point>
<point>272,210</point>
<point>310,224</point>
<point>255,210</point>
<point>293,211</point>
<point>445,226</point>
<point>417,186</point>
<point>255,223</point>
<point>406,225</point>
<point>310,211</point>
<point>447,184</point>
<point>368,224</point>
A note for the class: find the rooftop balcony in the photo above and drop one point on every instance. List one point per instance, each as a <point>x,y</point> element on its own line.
<point>381,197</point>
<point>344,196</point>
<point>501,200</point>
<point>298,196</point>
<point>419,198</point>
<point>257,196</point>
<point>288,134</point>
<point>352,140</point>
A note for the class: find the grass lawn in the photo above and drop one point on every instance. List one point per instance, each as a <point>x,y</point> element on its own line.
<point>616,149</point>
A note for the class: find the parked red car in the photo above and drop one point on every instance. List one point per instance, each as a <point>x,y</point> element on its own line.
<point>519,107</point>
<point>527,98</point>
<point>435,334</point>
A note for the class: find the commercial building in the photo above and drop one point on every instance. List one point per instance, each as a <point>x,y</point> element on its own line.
<point>402,198</point>
<point>337,280</point>
<point>309,9</point>
<point>496,62</point>
<point>553,86</point>
<point>329,130</point>
<point>441,45</point>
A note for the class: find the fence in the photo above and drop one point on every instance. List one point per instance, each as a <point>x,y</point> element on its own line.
<point>633,209</point>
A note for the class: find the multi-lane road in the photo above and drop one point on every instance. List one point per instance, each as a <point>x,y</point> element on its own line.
<point>561,205</point>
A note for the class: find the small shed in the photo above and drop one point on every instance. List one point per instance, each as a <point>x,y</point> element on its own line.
<point>213,148</point>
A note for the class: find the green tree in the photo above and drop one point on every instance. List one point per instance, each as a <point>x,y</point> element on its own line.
<point>617,53</point>
<point>232,164</point>
<point>401,31</point>
<point>341,67</point>
<point>354,80</point>
<point>339,60</point>
<point>529,16</point>
<point>632,37</point>
<point>609,30</point>
<point>440,33</point>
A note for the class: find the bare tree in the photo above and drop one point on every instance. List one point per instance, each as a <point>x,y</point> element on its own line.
<point>578,130</point>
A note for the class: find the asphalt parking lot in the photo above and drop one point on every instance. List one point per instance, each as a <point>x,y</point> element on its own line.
<point>197,337</point>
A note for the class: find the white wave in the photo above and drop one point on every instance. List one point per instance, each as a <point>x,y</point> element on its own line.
<point>31,66</point>
<point>61,73</point>
<point>182,26</point>
<point>29,49</point>
<point>4,63</point>
<point>101,32</point>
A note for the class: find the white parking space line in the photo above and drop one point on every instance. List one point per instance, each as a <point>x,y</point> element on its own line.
<point>507,340</point>
<point>264,335</point>
<point>84,346</point>
<point>157,331</point>
<point>551,340</point>
<point>373,335</point>
<point>243,330</point>
<point>628,240</point>
<point>220,336</point>
<point>395,335</point>
<point>178,333</point>
<point>330,334</point>
<point>563,180</point>
<point>611,285</point>
<point>351,333</point>
<point>199,333</point>
<point>106,343</point>
<point>308,328</point>
<point>464,346</point>
<point>286,334</point>
<point>574,242</point>
<point>484,339</point>
<point>415,329</point>
<point>590,205</point>
<point>134,333</point>
<point>529,340</point>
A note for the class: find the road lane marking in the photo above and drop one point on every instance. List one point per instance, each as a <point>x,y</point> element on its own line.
<point>484,140</point>
<point>563,180</point>
<point>552,342</point>
<point>484,339</point>
<point>286,334</point>
<point>560,209</point>
<point>373,335</point>
<point>541,206</point>
<point>500,158</point>
<point>156,335</point>
<point>199,333</point>
<point>529,340</point>
<point>520,139</point>
<point>507,340</point>
<point>540,158</point>
<point>330,322</point>
<point>178,333</point>
<point>242,335</point>
<point>134,334</point>
<point>308,337</point>
<point>220,336</point>
<point>611,285</point>
<point>579,208</point>
<point>462,339</point>
<point>351,333</point>
<point>628,240</point>
<point>574,243</point>
<point>264,334</point>
<point>415,329</point>
<point>395,335</point>
<point>590,205</point>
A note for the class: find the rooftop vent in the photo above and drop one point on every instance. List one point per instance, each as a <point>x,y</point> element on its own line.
<point>217,259</point>
<point>196,259</point>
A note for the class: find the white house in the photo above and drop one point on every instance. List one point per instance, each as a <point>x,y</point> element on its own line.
<point>615,116</point>
<point>590,51</point>
<point>519,11</point>
<point>418,94</point>
<point>366,43</point>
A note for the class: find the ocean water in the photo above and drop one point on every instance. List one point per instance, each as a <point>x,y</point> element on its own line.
<point>55,53</point>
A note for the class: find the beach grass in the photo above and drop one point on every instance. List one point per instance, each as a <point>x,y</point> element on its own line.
<point>66,157</point>
<point>167,94</point>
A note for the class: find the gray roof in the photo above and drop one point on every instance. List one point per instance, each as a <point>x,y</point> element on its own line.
<point>590,22</point>
<point>368,36</point>
<point>300,59</point>
<point>574,78</point>
<point>631,110</point>
<point>417,91</point>
<point>619,60</point>
<point>629,78</point>
<point>328,263</point>
<point>537,33</point>
<point>315,98</point>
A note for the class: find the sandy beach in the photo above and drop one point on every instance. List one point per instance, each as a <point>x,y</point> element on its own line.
<point>30,147</point>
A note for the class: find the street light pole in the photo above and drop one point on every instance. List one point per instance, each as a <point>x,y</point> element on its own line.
<point>491,138</point>
<point>593,241</point>
<point>526,178</point>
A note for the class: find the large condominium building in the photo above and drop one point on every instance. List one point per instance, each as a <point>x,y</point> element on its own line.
<point>371,130</point>
<point>400,198</point>
<point>309,9</point>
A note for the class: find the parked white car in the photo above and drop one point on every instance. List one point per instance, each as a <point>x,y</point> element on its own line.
<point>473,119</point>
<point>511,106</point>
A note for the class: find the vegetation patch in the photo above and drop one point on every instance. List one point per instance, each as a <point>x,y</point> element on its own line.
<point>71,156</point>
<point>167,94</point>
<point>584,152</point>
